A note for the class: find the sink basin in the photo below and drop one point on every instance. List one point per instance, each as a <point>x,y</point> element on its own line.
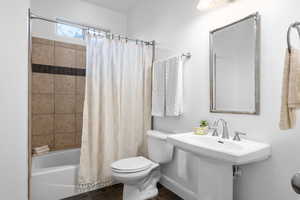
<point>236,153</point>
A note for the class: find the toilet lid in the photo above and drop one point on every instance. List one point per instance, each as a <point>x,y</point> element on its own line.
<point>130,165</point>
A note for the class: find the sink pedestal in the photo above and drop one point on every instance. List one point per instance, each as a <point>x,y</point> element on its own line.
<point>215,180</point>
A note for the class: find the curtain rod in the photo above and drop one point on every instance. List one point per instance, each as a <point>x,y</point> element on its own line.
<point>87,27</point>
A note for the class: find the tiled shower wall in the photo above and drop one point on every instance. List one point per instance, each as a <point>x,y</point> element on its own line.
<point>57,93</point>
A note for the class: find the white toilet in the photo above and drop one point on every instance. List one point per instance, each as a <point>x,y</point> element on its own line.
<point>140,175</point>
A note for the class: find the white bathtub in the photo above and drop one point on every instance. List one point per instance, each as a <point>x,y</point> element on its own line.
<point>54,176</point>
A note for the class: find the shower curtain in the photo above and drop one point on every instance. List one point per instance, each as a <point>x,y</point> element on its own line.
<point>117,107</point>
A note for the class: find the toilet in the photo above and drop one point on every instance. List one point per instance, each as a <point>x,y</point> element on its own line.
<point>139,174</point>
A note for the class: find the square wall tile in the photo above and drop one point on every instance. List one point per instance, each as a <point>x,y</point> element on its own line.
<point>42,83</point>
<point>42,54</point>
<point>78,139</point>
<point>79,103</point>
<point>64,104</point>
<point>81,47</point>
<point>38,141</point>
<point>42,124</point>
<point>64,84</point>
<point>66,45</point>
<point>64,141</point>
<point>64,57</point>
<point>79,123</point>
<point>80,85</point>
<point>42,104</point>
<point>64,123</point>
<point>37,40</point>
<point>80,59</point>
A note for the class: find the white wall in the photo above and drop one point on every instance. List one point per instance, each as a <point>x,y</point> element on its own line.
<point>77,11</point>
<point>13,99</point>
<point>177,24</point>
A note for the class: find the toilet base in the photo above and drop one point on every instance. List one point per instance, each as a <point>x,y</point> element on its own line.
<point>144,190</point>
<point>133,193</point>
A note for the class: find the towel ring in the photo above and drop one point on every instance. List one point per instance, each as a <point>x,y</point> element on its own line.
<point>295,25</point>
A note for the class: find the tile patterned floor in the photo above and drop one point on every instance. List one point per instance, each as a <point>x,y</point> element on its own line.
<point>115,193</point>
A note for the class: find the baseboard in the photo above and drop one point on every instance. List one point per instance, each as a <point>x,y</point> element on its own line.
<point>178,189</point>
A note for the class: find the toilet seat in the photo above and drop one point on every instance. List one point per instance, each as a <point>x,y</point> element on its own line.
<point>131,165</point>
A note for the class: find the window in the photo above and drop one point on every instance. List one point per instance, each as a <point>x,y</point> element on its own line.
<point>69,31</point>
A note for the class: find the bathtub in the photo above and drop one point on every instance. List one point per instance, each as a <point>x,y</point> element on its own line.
<point>54,176</point>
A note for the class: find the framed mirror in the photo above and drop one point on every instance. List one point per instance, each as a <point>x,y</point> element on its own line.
<point>234,67</point>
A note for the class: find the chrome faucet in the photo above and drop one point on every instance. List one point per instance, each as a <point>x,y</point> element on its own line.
<point>225,133</point>
<point>237,136</point>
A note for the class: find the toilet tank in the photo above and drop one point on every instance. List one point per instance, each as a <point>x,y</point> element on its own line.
<point>160,151</point>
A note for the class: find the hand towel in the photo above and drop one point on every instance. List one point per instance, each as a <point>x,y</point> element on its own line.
<point>43,151</point>
<point>290,100</point>
<point>41,148</point>
<point>158,89</point>
<point>174,86</point>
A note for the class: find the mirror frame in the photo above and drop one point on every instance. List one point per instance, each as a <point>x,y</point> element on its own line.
<point>257,30</point>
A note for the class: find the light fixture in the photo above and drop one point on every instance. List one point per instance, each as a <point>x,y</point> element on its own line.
<point>209,4</point>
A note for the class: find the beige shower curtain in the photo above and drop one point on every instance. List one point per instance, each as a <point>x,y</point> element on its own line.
<point>117,107</point>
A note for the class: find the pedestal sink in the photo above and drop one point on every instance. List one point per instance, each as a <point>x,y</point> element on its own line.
<point>215,160</point>
<point>234,152</point>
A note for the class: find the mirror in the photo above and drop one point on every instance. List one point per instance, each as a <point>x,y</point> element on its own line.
<point>234,67</point>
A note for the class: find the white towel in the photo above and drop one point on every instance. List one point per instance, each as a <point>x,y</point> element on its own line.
<point>158,89</point>
<point>174,87</point>
<point>41,150</point>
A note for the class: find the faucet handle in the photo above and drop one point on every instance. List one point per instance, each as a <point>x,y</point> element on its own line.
<point>214,128</point>
<point>215,132</point>
<point>215,123</point>
<point>237,136</point>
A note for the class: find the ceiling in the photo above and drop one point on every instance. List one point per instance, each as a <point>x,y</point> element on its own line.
<point>116,5</point>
